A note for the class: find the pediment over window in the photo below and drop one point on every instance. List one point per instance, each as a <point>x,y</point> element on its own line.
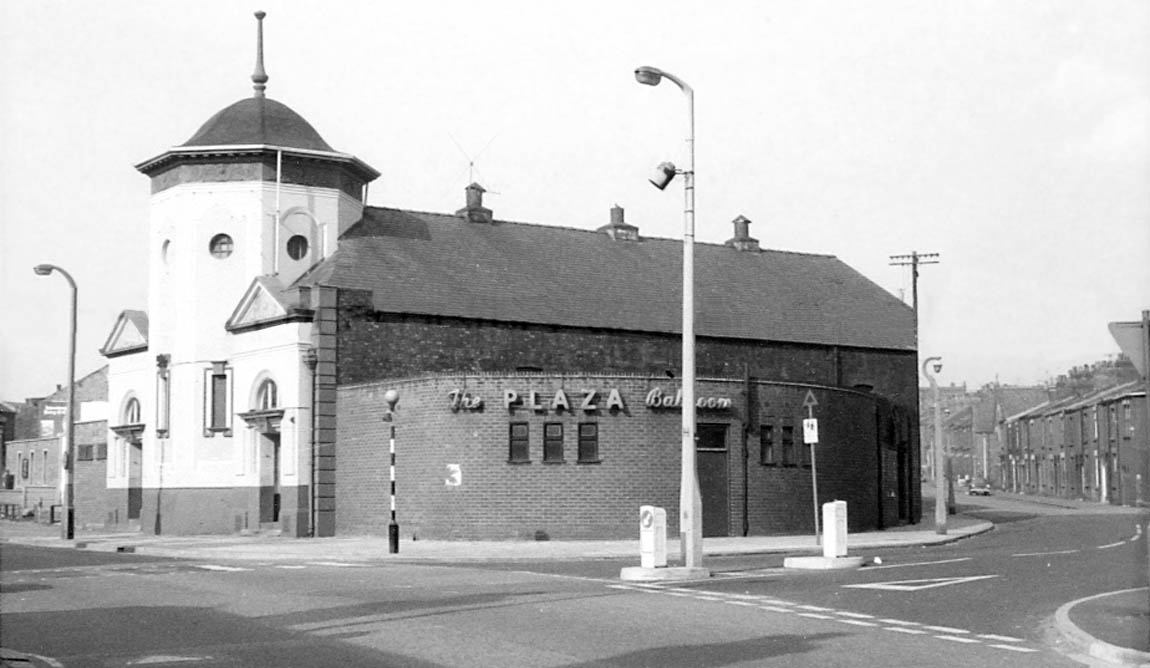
<point>129,432</point>
<point>266,303</point>
<point>264,421</point>
<point>129,334</point>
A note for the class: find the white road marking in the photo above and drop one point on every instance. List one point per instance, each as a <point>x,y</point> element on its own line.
<point>900,629</point>
<point>919,563</point>
<point>918,585</point>
<point>746,603</point>
<point>854,621</point>
<point>857,615</point>
<point>957,639</point>
<point>1107,547</point>
<point>166,659</point>
<point>814,615</point>
<point>899,622</point>
<point>1013,648</point>
<point>1043,554</point>
<point>814,608</point>
<point>774,608</point>
<point>225,569</point>
<point>338,564</point>
<point>291,567</point>
<point>991,636</point>
<point>945,629</point>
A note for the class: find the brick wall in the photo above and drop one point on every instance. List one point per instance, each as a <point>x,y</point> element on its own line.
<point>639,451</point>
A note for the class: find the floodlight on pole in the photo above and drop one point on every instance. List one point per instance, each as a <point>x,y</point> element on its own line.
<point>67,476</point>
<point>690,501</point>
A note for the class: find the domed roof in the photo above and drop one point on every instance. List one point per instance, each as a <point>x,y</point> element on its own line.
<point>258,120</point>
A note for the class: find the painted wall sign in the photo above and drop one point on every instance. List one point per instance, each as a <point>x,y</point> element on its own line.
<point>454,475</point>
<point>588,402</point>
<point>465,401</point>
<point>657,398</point>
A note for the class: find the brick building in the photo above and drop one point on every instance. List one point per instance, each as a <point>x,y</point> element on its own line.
<point>536,364</point>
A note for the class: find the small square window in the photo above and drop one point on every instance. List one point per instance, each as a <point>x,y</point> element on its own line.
<point>588,442</point>
<point>85,453</point>
<point>553,442</point>
<point>519,449</point>
<point>767,454</point>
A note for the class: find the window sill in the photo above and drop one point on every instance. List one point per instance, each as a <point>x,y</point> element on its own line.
<point>589,461</point>
<point>518,462</point>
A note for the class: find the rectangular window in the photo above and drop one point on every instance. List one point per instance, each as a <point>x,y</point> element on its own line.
<point>588,442</point>
<point>1128,419</point>
<point>519,449</point>
<point>85,453</point>
<point>767,454</point>
<point>789,455</point>
<point>218,400</point>
<point>101,451</point>
<point>553,442</point>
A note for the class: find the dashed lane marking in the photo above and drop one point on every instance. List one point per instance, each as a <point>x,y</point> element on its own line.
<point>1044,554</point>
<point>1013,648</point>
<point>770,604</point>
<point>991,636</point>
<point>944,629</point>
<point>224,569</point>
<point>919,585</point>
<point>919,563</point>
<point>337,564</point>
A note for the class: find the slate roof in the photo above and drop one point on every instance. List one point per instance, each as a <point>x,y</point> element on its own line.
<point>440,265</point>
<point>258,120</point>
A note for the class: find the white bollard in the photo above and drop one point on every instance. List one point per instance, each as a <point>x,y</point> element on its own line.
<point>835,529</point>
<point>652,537</point>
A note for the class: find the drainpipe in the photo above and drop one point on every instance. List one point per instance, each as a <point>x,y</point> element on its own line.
<point>310,359</point>
<point>746,452</point>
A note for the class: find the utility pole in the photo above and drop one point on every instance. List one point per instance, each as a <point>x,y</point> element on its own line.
<point>913,260</point>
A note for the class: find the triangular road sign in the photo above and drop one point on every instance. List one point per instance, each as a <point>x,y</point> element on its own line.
<point>918,585</point>
<point>809,401</point>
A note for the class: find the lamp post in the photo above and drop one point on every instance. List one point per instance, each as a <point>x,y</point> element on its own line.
<point>690,501</point>
<point>392,398</point>
<point>68,488</point>
<point>940,481</point>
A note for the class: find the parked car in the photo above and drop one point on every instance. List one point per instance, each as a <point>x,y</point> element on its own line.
<point>978,488</point>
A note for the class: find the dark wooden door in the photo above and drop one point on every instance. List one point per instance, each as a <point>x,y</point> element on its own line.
<point>714,483</point>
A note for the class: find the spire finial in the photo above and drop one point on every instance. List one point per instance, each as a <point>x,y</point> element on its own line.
<point>260,77</point>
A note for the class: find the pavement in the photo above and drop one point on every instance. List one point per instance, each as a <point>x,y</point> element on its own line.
<point>1114,627</point>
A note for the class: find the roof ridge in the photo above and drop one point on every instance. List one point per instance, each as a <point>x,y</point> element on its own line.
<point>593,231</point>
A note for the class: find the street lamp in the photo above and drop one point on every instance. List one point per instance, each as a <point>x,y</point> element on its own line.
<point>940,481</point>
<point>690,501</point>
<point>68,521</point>
<point>392,398</point>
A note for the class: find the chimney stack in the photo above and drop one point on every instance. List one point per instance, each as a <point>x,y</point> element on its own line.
<point>742,240</point>
<point>475,212</point>
<point>617,229</point>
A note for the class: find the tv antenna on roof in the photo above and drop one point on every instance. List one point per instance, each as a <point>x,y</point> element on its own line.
<point>472,171</point>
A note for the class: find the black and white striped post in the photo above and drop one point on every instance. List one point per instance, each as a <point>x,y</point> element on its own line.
<point>392,398</point>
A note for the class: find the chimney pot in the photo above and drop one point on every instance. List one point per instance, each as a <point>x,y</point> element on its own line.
<point>475,212</point>
<point>743,241</point>
<point>619,230</point>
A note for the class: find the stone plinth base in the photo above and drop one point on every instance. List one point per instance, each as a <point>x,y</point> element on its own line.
<point>823,563</point>
<point>640,574</point>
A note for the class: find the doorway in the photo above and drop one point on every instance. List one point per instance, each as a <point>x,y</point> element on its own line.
<point>711,468</point>
<point>269,478</point>
<point>135,479</point>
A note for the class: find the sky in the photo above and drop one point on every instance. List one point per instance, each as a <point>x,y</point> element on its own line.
<point>1012,138</point>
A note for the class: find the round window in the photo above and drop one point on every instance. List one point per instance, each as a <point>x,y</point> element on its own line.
<point>297,247</point>
<point>221,246</point>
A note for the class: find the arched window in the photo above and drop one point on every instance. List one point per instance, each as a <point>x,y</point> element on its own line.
<point>267,398</point>
<point>132,411</point>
